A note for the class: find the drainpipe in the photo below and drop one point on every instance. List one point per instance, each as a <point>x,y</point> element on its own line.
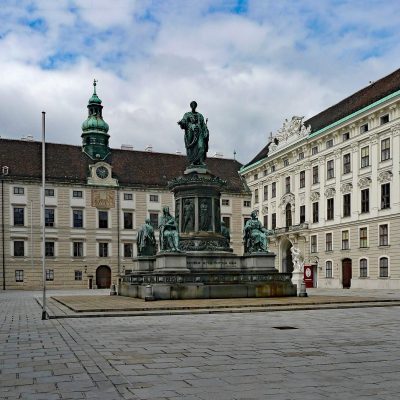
<point>118,234</point>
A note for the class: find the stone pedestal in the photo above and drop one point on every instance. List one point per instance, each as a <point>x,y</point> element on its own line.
<point>298,280</point>
<point>171,262</point>
<point>259,262</point>
<point>144,264</point>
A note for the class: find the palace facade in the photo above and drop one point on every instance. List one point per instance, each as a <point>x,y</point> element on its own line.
<point>95,200</point>
<point>329,186</point>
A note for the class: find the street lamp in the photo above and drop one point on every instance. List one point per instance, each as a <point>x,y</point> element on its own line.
<point>4,172</point>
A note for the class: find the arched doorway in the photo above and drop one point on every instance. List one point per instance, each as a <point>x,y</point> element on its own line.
<point>287,261</point>
<point>346,273</point>
<point>103,277</point>
<point>288,212</point>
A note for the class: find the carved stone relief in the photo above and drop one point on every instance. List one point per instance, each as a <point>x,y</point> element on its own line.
<point>385,176</point>
<point>364,182</point>
<point>330,192</point>
<point>314,196</point>
<point>346,188</point>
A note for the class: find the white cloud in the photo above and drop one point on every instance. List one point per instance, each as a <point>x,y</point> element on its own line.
<point>247,71</point>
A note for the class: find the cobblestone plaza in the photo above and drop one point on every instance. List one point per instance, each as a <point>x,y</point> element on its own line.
<point>337,353</point>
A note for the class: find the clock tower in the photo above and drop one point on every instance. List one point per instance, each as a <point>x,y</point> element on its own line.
<point>95,135</point>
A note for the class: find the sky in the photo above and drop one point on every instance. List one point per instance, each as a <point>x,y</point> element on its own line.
<point>249,64</point>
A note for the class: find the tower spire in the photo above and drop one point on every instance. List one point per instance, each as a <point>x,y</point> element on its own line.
<point>94,86</point>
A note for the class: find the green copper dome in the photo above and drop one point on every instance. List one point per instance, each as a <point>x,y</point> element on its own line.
<point>94,130</point>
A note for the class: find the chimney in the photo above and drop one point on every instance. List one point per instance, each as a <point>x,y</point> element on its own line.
<point>126,147</point>
<point>149,148</point>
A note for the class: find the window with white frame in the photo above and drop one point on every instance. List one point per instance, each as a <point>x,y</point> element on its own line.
<point>78,275</point>
<point>364,156</point>
<point>273,189</point>
<point>315,211</point>
<point>19,216</point>
<point>49,217</point>
<point>49,192</point>
<point>19,275</point>
<point>77,218</point>
<point>383,235</point>
<point>314,150</point>
<point>19,248</point>
<point>287,184</point>
<point>329,143</point>
<point>330,169</point>
<point>225,202</point>
<point>103,219</point>
<point>347,205</point>
<point>345,240</point>
<point>302,179</point>
<point>78,194</point>
<point>315,175</point>
<point>385,149</point>
<point>128,250</point>
<point>385,196</point>
<point>328,269</point>
<point>314,244</point>
<point>49,274</point>
<point>103,249</point>
<point>255,196</point>
<point>128,196</point>
<point>384,119</point>
<point>383,267</point>
<point>363,128</point>
<point>346,136</point>
<point>154,198</point>
<point>365,200</point>
<point>363,237</point>
<point>363,268</point>
<point>246,203</point>
<point>265,192</point>
<point>128,220</point>
<point>346,163</point>
<point>328,242</point>
<point>77,249</point>
<point>49,249</point>
<point>19,190</point>
<point>330,210</point>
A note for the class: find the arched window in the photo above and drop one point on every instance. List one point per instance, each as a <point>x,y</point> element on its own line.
<point>328,269</point>
<point>383,267</point>
<point>363,268</point>
<point>288,214</point>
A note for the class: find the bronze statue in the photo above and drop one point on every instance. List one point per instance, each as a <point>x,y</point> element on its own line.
<point>169,238</point>
<point>225,233</point>
<point>255,236</point>
<point>146,242</point>
<point>196,136</point>
<point>204,216</point>
<point>188,216</point>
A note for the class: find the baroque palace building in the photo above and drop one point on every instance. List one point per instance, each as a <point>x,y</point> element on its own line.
<point>329,186</point>
<point>95,200</point>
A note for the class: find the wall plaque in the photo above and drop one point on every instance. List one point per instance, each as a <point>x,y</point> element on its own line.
<point>103,198</point>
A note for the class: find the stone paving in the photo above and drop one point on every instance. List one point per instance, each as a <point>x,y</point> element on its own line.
<point>332,354</point>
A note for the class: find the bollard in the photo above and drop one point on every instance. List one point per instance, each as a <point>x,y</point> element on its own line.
<point>113,292</point>
<point>303,292</point>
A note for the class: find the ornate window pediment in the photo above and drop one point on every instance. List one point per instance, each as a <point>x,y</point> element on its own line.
<point>287,198</point>
<point>364,182</point>
<point>385,176</point>
<point>330,192</point>
<point>346,188</point>
<point>314,196</point>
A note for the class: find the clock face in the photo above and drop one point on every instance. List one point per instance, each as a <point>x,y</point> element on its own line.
<point>102,172</point>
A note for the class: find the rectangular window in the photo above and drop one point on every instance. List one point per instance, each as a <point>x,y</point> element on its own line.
<point>265,172</point>
<point>345,240</point>
<point>78,275</point>
<point>255,196</point>
<point>227,221</point>
<point>330,169</point>
<point>285,162</point>
<point>49,249</point>
<point>363,237</point>
<point>315,175</point>
<point>19,248</point>
<point>384,119</point>
<point>49,216</point>
<point>128,196</point>
<point>287,184</point>
<point>328,269</point>
<point>364,128</point>
<point>385,149</point>
<point>383,267</point>
<point>78,194</point>
<point>128,250</point>
<point>246,203</point>
<point>128,220</point>
<point>302,214</point>
<point>328,242</point>
<point>19,275</point>
<point>19,219</point>
<point>225,202</point>
<point>365,200</point>
<point>315,211</point>
<point>383,235</point>
<point>301,156</point>
<point>329,143</point>
<point>103,219</point>
<point>49,192</point>
<point>363,268</point>
<point>19,190</point>
<point>273,189</point>
<point>154,220</point>
<point>154,198</point>
<point>365,157</point>
<point>347,205</point>
<point>330,209</point>
<point>346,136</point>
<point>273,168</point>
<point>78,249</point>
<point>346,163</point>
<point>77,218</point>
<point>265,192</point>
<point>313,241</point>
<point>314,150</point>
<point>273,221</point>
<point>265,221</point>
<point>385,196</point>
<point>49,274</point>
<point>302,179</point>
<point>103,249</point>
<point>255,177</point>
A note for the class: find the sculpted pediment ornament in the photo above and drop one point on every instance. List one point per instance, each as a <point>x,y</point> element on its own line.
<point>346,187</point>
<point>364,182</point>
<point>287,198</point>
<point>273,207</point>
<point>265,210</point>
<point>395,129</point>
<point>385,176</point>
<point>330,192</point>
<point>314,196</point>
<point>302,198</point>
<point>290,132</point>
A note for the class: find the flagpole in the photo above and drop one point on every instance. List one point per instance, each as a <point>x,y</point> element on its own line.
<point>44,313</point>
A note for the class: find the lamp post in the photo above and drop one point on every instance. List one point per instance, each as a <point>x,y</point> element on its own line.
<point>4,172</point>
<point>44,313</point>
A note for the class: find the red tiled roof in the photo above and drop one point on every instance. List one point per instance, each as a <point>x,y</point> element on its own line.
<point>68,164</point>
<point>363,98</point>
